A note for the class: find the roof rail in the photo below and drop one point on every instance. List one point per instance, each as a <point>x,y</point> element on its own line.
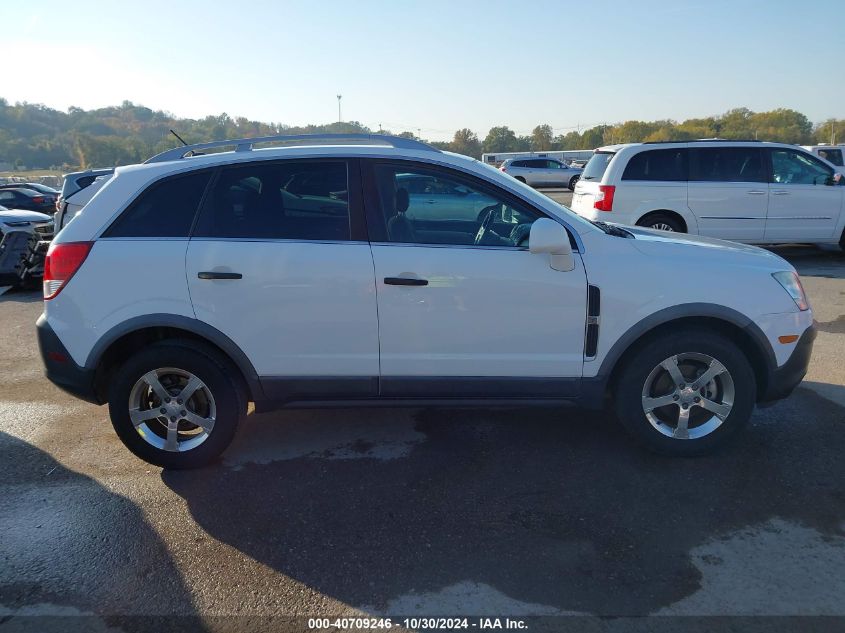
<point>707,140</point>
<point>246,144</point>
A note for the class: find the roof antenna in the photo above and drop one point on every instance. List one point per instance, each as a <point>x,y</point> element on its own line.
<point>181,140</point>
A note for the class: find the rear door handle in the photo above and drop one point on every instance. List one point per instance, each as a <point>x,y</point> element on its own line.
<point>780,193</point>
<point>405,281</point>
<point>218,275</point>
<point>757,192</point>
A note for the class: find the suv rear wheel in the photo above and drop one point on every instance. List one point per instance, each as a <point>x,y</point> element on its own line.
<point>174,404</point>
<point>661,222</point>
<point>685,393</point>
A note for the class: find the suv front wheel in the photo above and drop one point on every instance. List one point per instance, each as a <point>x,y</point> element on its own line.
<point>685,393</point>
<point>174,404</point>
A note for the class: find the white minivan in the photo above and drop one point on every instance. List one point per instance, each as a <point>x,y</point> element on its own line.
<point>311,275</point>
<point>747,191</point>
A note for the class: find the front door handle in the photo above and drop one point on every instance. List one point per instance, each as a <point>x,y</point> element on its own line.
<point>756,192</point>
<point>780,193</point>
<point>405,281</point>
<point>218,275</point>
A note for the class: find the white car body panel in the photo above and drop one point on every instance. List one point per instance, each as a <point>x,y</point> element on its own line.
<point>302,308</point>
<point>485,312</point>
<point>112,288</point>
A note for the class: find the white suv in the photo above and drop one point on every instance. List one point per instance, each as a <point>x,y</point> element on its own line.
<point>747,191</point>
<point>303,275</point>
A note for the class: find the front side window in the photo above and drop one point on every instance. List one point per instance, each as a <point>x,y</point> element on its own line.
<point>658,164</point>
<point>165,209</point>
<point>294,200</point>
<point>461,213</point>
<point>790,167</point>
<point>727,164</point>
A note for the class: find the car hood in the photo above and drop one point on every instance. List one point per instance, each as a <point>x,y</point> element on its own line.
<point>20,215</point>
<point>662,243</point>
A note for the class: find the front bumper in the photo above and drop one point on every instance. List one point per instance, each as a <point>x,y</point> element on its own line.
<point>60,368</point>
<point>783,380</point>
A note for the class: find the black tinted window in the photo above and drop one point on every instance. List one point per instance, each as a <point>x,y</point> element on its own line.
<point>727,164</point>
<point>165,209</point>
<point>288,200</point>
<point>832,156</point>
<point>519,163</point>
<point>658,164</point>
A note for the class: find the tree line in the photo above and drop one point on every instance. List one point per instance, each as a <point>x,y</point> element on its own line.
<point>37,137</point>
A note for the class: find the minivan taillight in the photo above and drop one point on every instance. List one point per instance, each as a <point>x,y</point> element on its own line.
<point>61,263</point>
<point>604,198</point>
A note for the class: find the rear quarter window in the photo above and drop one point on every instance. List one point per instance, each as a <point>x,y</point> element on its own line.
<point>667,165</point>
<point>165,209</point>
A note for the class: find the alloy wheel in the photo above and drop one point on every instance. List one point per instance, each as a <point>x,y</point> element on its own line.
<point>172,409</point>
<point>688,396</point>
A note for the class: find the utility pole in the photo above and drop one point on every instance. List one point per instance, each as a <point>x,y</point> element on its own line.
<point>339,118</point>
<point>832,132</point>
<point>419,133</point>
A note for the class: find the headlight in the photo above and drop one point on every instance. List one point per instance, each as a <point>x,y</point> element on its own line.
<point>792,284</point>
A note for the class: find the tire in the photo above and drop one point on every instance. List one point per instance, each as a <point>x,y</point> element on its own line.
<point>842,241</point>
<point>644,376</point>
<point>219,399</point>
<point>520,179</point>
<point>573,181</point>
<point>662,222</point>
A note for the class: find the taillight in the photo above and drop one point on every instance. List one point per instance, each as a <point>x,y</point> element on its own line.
<point>38,199</point>
<point>604,198</point>
<point>61,263</point>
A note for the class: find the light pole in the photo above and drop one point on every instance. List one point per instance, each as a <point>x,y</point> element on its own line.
<point>339,118</point>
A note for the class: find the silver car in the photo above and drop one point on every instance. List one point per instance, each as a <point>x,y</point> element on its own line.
<point>542,172</point>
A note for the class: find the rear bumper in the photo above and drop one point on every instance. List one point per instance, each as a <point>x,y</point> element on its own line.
<point>784,379</point>
<point>60,368</point>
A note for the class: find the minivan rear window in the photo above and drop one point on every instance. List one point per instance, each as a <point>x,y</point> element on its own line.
<point>597,165</point>
<point>658,164</point>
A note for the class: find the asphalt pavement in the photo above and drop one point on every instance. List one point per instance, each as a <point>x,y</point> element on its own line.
<point>550,512</point>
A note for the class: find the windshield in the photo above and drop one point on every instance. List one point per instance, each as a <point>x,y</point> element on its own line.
<point>597,165</point>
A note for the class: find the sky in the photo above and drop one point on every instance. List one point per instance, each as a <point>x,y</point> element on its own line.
<point>431,66</point>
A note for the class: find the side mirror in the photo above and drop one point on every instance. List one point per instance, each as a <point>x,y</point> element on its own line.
<point>547,236</point>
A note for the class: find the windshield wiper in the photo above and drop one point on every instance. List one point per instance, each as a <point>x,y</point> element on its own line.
<point>612,229</point>
<point>588,177</point>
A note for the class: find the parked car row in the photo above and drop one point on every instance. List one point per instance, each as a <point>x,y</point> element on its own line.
<point>368,270</point>
<point>748,191</point>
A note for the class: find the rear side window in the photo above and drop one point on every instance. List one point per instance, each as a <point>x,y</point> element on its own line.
<point>519,163</point>
<point>294,200</point>
<point>658,164</point>
<point>727,164</point>
<point>165,209</point>
<point>833,156</point>
<point>597,165</point>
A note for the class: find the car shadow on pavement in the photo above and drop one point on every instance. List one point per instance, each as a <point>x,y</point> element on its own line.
<point>75,556</point>
<point>554,509</point>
